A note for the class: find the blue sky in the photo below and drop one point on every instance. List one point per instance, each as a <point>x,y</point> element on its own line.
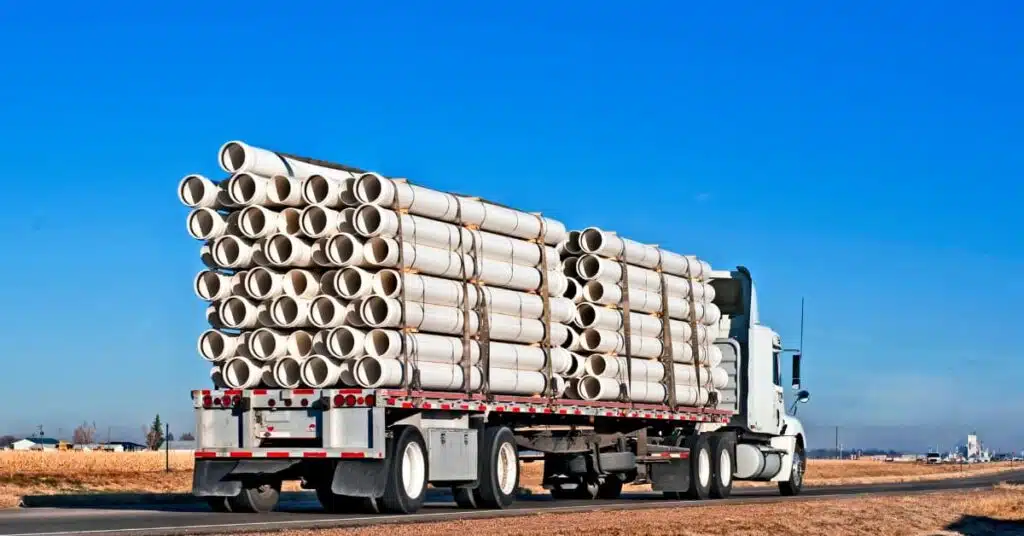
<point>864,155</point>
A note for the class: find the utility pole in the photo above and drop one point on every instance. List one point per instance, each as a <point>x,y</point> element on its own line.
<point>839,454</point>
<point>167,449</point>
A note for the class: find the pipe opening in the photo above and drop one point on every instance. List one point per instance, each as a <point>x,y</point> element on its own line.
<point>300,281</point>
<point>290,219</point>
<point>233,311</point>
<point>378,343</point>
<point>285,310</point>
<point>209,285</point>
<point>314,220</point>
<point>591,240</point>
<point>232,156</point>
<point>348,192</point>
<point>368,220</point>
<point>379,250</point>
<point>259,283</point>
<point>591,339</point>
<point>238,373</point>
<point>213,344</point>
<point>343,342</point>
<point>316,189</point>
<point>598,365</point>
<point>573,290</point>
<point>589,388</point>
<point>227,250</point>
<point>203,223</point>
<point>351,282</point>
<point>594,291</point>
<point>323,310</point>
<point>369,371</point>
<point>370,188</point>
<point>287,372</point>
<point>300,344</point>
<point>253,221</point>
<point>193,190</point>
<point>572,244</point>
<point>280,249</point>
<point>341,248</point>
<point>263,343</point>
<point>587,315</point>
<point>569,267</point>
<point>375,310</point>
<point>281,188</point>
<point>242,188</point>
<point>589,267</point>
<point>390,283</point>
<point>317,369</point>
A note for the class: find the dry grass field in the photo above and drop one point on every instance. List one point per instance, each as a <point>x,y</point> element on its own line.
<point>999,511</point>
<point>38,473</point>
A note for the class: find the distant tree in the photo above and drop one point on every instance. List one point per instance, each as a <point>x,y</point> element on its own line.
<point>84,434</point>
<point>155,435</point>
<point>187,436</point>
<point>6,441</point>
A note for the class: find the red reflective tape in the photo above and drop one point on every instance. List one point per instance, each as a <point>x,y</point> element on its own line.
<point>499,408</point>
<point>446,406</point>
<point>314,454</point>
<point>516,409</point>
<point>348,391</point>
<point>200,454</point>
<point>609,413</point>
<point>278,454</point>
<point>259,391</point>
<point>240,454</point>
<point>233,392</point>
<point>647,415</point>
<point>563,411</point>
<point>547,410</point>
<point>406,404</point>
<point>205,391</point>
<point>532,409</point>
<point>353,454</point>
<point>303,391</point>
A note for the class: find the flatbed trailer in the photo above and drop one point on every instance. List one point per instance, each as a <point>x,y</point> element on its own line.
<point>378,449</point>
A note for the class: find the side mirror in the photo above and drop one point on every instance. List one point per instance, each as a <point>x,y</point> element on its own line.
<point>796,370</point>
<point>803,396</point>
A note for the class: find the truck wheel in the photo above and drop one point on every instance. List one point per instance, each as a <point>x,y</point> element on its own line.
<point>722,448</point>
<point>258,499</point>
<point>796,475</point>
<point>344,504</point>
<point>499,474</point>
<point>466,498</point>
<point>407,471</point>
<point>219,504</point>
<point>611,488</point>
<point>701,470</point>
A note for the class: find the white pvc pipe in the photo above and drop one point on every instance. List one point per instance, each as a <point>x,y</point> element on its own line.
<point>344,249</point>
<point>206,255</point>
<point>301,283</point>
<point>377,190</point>
<point>287,371</point>
<point>438,291</point>
<point>289,312</point>
<point>331,192</point>
<point>238,312</point>
<point>604,388</point>
<point>329,312</point>
<point>573,290</point>
<point>246,189</point>
<point>569,267</point>
<point>263,283</point>
<point>379,312</point>
<point>266,344</point>
<point>387,344</point>
<point>572,243</point>
<point>242,373</point>
<point>577,368</point>
<point>320,371</point>
<point>589,315</point>
<point>606,244</point>
<point>217,377</point>
<point>213,315</point>
<point>516,382</point>
<point>216,346</point>
<point>206,223</point>
<point>237,156</point>
<point>572,342</point>
<point>383,252</point>
<point>371,372</point>
<point>285,191</point>
<point>210,285</point>
<point>258,221</point>
<point>372,221</point>
<point>318,221</point>
<point>607,293</point>
<point>196,191</point>
<point>230,251</point>
<point>288,250</point>
<point>346,342</point>
<point>644,370</point>
<point>591,267</point>
<point>604,341</point>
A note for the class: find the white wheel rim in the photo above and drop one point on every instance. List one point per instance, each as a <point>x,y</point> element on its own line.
<point>704,468</point>
<point>725,468</point>
<point>507,468</point>
<point>413,473</point>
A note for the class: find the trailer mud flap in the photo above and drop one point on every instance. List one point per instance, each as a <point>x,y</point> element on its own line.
<point>208,479</point>
<point>360,478</point>
<point>672,476</point>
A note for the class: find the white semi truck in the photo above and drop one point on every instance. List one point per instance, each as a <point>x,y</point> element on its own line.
<point>378,449</point>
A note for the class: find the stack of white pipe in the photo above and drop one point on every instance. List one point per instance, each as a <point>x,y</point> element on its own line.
<point>314,273</point>
<point>593,259</point>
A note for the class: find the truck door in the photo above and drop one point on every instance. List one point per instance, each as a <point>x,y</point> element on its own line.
<point>765,393</point>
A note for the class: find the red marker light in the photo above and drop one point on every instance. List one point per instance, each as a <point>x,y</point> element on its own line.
<point>350,400</point>
<point>339,401</point>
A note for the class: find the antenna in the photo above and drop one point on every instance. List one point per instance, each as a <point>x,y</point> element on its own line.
<point>801,325</point>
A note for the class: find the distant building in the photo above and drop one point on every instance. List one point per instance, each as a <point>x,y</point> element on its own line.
<point>36,443</point>
<point>126,446</point>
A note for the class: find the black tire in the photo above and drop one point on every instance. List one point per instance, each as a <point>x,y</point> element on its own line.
<point>499,469</point>
<point>583,490</point>
<point>256,499</point>
<point>796,476</point>
<point>723,456</point>
<point>345,504</point>
<point>467,498</point>
<point>673,495</point>
<point>219,504</point>
<point>701,468</point>
<point>397,499</point>
<point>611,488</point>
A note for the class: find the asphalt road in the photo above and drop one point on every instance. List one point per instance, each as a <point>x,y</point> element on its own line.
<point>196,518</point>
